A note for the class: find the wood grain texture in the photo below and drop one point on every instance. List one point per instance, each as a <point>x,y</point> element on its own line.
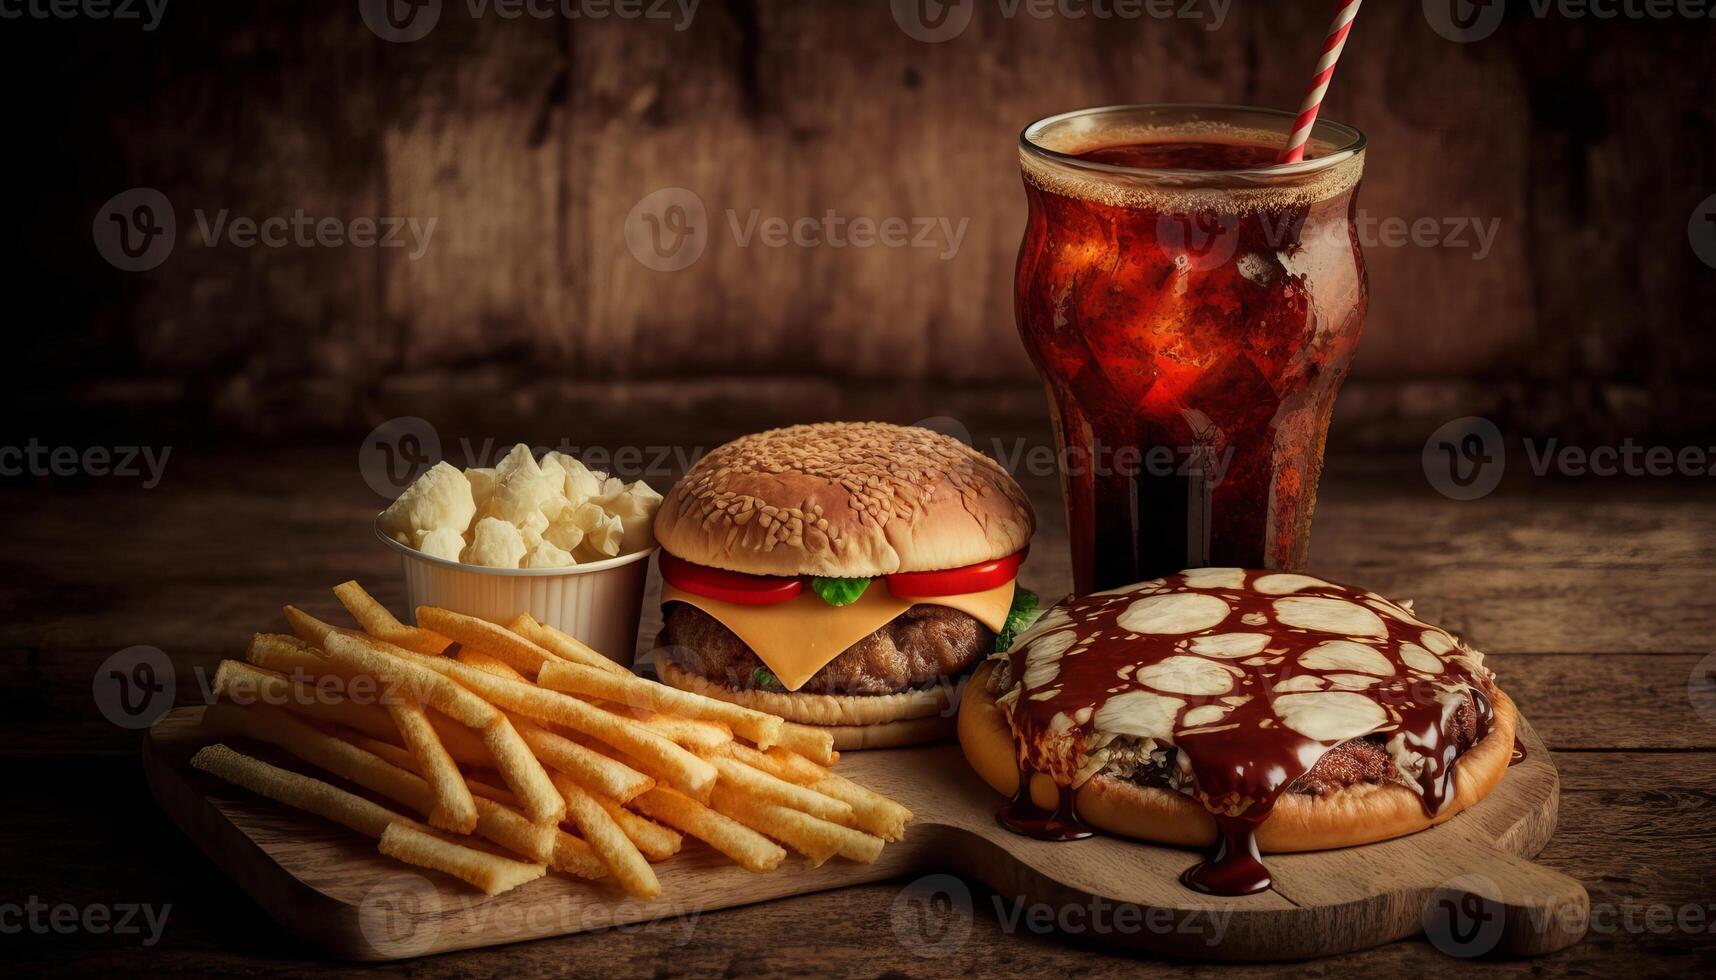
<point>1610,586</point>
<point>337,893</point>
<point>529,140</point>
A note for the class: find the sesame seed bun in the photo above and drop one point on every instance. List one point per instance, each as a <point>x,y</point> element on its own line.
<point>844,500</point>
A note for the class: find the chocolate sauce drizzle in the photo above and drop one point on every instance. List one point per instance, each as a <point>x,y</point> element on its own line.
<point>1022,815</point>
<point>1250,698</point>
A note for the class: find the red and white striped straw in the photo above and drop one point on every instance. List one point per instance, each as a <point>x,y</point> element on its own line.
<point>1332,45</point>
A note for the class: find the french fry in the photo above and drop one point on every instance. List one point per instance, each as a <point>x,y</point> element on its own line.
<point>348,761</point>
<point>775,763</point>
<point>751,850</point>
<point>872,812</point>
<point>622,858</point>
<point>287,654</point>
<point>493,665</point>
<point>561,644</point>
<point>485,637</point>
<point>663,758</point>
<point>297,791</point>
<point>578,740</point>
<point>454,808</point>
<point>655,841</point>
<point>763,786</point>
<point>465,745</point>
<point>523,773</point>
<point>394,666</point>
<point>813,743</point>
<point>601,774</point>
<point>796,768</point>
<point>813,837</point>
<point>307,627</point>
<point>763,729</point>
<point>490,872</point>
<point>243,683</point>
<point>394,755</point>
<point>381,624</point>
<point>702,737</point>
<point>575,857</point>
<point>281,729</point>
<point>498,818</point>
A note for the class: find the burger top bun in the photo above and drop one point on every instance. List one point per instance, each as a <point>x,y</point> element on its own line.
<point>844,500</point>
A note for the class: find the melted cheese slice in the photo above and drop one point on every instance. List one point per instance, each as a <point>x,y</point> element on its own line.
<point>799,637</point>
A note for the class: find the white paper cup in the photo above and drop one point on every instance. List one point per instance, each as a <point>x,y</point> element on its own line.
<point>598,602</point>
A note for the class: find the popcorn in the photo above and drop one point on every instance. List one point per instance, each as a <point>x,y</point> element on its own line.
<point>635,507</point>
<point>439,499</point>
<point>581,482</point>
<point>523,513</point>
<point>532,527</point>
<point>494,543</point>
<point>602,531</point>
<point>564,534</point>
<point>441,543</point>
<point>546,555</point>
<point>523,488</point>
<point>483,483</point>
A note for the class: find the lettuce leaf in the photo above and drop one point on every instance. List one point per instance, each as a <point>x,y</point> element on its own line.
<point>839,591</point>
<point>1020,616</point>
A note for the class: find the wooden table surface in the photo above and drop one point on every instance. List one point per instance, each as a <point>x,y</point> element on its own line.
<point>1594,601</point>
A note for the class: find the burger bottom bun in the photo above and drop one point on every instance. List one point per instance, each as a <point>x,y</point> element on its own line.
<point>1347,817</point>
<point>858,721</point>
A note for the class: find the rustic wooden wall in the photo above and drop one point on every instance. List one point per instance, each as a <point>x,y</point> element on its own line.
<point>528,141</point>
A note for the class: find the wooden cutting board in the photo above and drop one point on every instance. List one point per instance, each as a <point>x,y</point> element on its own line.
<point>1467,884</point>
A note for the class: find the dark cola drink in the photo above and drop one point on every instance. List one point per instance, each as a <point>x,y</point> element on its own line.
<point>1192,309</point>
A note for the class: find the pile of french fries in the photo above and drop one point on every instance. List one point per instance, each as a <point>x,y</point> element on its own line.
<point>509,751</point>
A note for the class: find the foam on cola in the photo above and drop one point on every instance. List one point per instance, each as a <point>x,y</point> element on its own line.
<point>1176,289</point>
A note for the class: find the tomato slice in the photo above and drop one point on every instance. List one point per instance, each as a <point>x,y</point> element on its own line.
<point>981,577</point>
<point>734,587</point>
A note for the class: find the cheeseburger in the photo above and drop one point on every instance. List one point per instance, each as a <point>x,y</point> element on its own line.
<point>1246,710</point>
<point>841,575</point>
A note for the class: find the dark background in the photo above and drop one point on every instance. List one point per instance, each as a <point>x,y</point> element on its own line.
<point>529,140</point>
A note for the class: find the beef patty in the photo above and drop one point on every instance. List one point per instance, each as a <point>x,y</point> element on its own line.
<point>915,649</point>
<point>1359,760</point>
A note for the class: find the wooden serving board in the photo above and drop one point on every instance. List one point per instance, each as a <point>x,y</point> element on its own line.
<point>1467,882</point>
